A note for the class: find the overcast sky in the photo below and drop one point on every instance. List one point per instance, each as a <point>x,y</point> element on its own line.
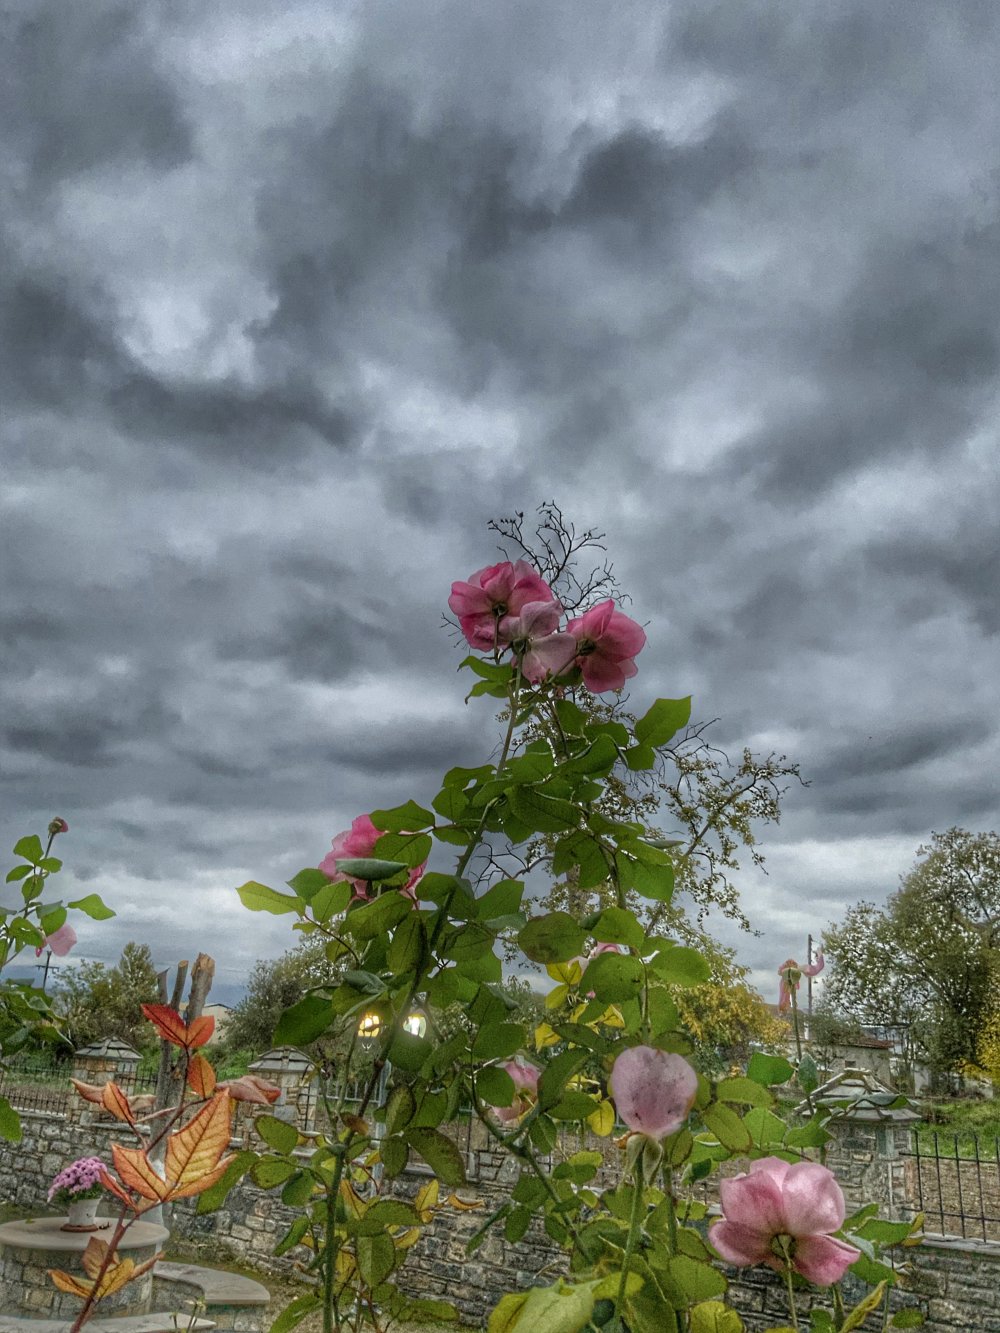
<point>295,297</point>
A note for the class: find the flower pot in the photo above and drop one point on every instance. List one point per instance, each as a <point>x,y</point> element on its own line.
<point>83,1216</point>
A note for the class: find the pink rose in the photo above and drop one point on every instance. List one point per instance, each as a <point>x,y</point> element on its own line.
<point>59,942</point>
<point>525,1078</point>
<point>791,974</point>
<point>606,643</point>
<point>490,595</point>
<point>359,841</point>
<point>534,636</point>
<point>802,1202</point>
<point>653,1090</point>
<point>58,826</point>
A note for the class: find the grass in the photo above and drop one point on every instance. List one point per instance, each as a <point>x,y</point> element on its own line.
<point>963,1120</point>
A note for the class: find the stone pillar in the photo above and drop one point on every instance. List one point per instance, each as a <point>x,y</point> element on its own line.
<point>290,1069</point>
<point>101,1062</point>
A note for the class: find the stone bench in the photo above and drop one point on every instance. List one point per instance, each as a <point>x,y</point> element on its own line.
<point>231,1301</point>
<point>137,1323</point>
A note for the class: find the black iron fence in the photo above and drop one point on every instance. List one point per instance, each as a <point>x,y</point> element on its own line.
<point>954,1180</point>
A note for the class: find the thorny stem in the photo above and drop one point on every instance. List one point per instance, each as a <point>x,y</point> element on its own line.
<point>632,1239</point>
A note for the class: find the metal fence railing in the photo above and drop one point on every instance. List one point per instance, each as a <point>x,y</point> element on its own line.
<point>954,1180</point>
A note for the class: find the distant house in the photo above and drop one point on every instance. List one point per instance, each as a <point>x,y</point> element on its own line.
<point>221,1013</point>
<point>857,1050</point>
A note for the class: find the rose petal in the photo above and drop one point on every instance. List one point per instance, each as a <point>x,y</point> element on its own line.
<point>823,1259</point>
<point>814,1202</point>
<point>739,1245</point>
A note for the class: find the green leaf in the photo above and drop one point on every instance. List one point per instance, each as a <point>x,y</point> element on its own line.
<point>440,1154</point>
<point>541,813</point>
<point>518,1222</point>
<point>769,1069</point>
<point>884,1233</point>
<point>387,1213</point>
<point>94,907</point>
<point>680,965</point>
<point>30,848</point>
<point>259,898</point>
<point>714,1317</point>
<point>555,938</point>
<point>408,947</point>
<point>277,1134</point>
<point>696,1280</point>
<point>497,1041</point>
<point>663,720</point>
<point>374,918</point>
<point>19,872</point>
<point>559,1309</point>
<point>599,757</point>
<point>331,900</point>
<point>767,1129</point>
<point>408,818</point>
<point>614,977</point>
<point>412,849</point>
<point>307,883</point>
<point>866,1306</point>
<point>51,921</point>
<point>267,1172</point>
<point>727,1127</point>
<point>297,1192</point>
<point>10,1124</point>
<point>745,1090</point>
<point>502,899</point>
<point>495,1086</point>
<point>394,1154</point>
<point>210,1200</point>
<point>369,868</point>
<point>810,1135</point>
<point>399,1108</point>
<point>557,1074</point>
<point>649,879</point>
<point>303,1022</point>
<point>640,758</point>
<point>295,1312</point>
<point>293,1236</point>
<point>407,1051</point>
<point>808,1074</point>
<point>617,925</point>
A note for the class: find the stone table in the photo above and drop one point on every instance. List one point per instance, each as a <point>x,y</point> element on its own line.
<point>30,1248</point>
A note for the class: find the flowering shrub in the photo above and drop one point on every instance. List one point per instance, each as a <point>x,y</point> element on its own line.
<point>410,939</point>
<point>80,1180</point>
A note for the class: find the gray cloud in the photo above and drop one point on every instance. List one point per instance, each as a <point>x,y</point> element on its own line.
<point>290,307</point>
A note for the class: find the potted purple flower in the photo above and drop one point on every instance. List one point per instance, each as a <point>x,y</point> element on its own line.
<point>78,1188</point>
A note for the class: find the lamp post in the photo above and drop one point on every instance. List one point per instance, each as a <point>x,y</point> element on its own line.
<point>370,1027</point>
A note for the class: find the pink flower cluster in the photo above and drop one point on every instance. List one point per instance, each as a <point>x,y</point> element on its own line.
<point>777,1210</point>
<point>359,841</point>
<point>511,606</point>
<point>81,1179</point>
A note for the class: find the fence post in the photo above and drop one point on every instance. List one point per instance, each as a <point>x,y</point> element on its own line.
<point>99,1063</point>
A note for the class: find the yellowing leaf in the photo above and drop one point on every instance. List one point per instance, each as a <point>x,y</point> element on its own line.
<point>545,1036</point>
<point>602,1121</point>
<point>426,1199</point>
<point>195,1153</point>
<point>556,997</point>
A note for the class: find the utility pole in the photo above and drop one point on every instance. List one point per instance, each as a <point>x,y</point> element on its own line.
<point>809,991</point>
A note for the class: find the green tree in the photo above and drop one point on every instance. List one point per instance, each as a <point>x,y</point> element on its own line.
<point>927,959</point>
<point>275,984</point>
<point>95,1001</point>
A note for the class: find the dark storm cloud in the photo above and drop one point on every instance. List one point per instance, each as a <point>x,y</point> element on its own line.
<point>291,305</point>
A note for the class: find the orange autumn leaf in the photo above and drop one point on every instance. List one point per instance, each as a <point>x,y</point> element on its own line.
<point>463,1205</point>
<point>115,1101</point>
<point>135,1170</point>
<point>200,1031</point>
<point>194,1152</point>
<point>250,1088</point>
<point>73,1286</point>
<point>93,1256</point>
<point>201,1076</point>
<point>113,1187</point>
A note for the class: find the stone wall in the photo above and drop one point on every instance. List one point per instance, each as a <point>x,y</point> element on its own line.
<point>957,1283</point>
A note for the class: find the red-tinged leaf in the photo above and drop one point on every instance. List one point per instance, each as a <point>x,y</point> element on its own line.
<point>73,1286</point>
<point>90,1092</point>
<point>195,1150</point>
<point>250,1088</point>
<point>136,1172</point>
<point>167,1022</point>
<point>201,1076</point>
<point>200,1031</point>
<point>113,1187</point>
<point>115,1101</point>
